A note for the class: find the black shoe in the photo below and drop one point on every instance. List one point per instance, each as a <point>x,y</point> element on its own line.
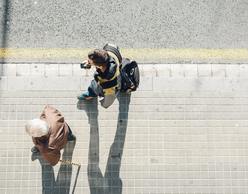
<point>71,137</point>
<point>34,150</point>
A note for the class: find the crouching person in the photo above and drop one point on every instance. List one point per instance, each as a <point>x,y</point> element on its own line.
<point>49,133</point>
<point>106,77</point>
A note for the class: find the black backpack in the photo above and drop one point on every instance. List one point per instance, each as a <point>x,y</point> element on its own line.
<point>129,70</point>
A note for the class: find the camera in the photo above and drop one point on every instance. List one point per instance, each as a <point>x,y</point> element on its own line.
<point>85,66</point>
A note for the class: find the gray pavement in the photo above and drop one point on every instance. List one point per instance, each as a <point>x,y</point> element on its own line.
<point>184,131</point>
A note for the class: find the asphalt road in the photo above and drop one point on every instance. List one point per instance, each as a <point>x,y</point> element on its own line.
<point>209,24</point>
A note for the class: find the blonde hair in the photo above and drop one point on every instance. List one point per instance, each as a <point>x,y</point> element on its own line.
<point>37,128</point>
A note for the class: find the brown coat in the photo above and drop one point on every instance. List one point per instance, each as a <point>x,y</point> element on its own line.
<point>50,145</point>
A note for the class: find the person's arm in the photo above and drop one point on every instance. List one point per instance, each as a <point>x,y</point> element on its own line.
<point>96,74</point>
<point>58,128</point>
<point>52,156</point>
<point>49,154</point>
<point>111,74</point>
<point>52,115</point>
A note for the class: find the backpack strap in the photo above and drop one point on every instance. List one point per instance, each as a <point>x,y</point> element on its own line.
<point>114,52</point>
<point>114,57</point>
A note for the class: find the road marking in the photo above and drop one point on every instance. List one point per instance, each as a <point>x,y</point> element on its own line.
<point>142,54</point>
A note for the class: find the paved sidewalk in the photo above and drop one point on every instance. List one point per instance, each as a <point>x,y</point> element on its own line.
<point>184,131</point>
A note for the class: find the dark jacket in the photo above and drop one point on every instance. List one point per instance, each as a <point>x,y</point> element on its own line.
<point>109,78</point>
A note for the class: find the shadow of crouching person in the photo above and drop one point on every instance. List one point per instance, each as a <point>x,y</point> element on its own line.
<point>112,172</point>
<point>110,183</point>
<point>62,184</point>
<point>63,181</point>
<point>95,177</point>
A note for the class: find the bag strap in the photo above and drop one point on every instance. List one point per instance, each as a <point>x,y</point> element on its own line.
<point>115,50</point>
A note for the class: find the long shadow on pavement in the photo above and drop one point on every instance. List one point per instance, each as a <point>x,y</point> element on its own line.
<point>111,182</point>
<point>62,184</point>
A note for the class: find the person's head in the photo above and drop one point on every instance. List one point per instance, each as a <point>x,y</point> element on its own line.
<point>98,57</point>
<point>37,128</point>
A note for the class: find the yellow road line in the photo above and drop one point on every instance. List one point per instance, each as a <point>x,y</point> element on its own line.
<point>142,53</point>
<point>42,53</point>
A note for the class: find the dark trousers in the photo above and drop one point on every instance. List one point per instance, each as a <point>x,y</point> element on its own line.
<point>69,133</point>
<point>97,90</point>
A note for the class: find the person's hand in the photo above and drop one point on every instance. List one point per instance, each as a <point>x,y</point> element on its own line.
<point>86,62</point>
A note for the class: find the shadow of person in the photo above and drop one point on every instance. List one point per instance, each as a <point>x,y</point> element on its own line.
<point>63,181</point>
<point>110,183</point>
<point>112,172</point>
<point>95,177</point>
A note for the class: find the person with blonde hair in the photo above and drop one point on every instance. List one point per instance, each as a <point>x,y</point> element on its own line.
<point>50,134</point>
